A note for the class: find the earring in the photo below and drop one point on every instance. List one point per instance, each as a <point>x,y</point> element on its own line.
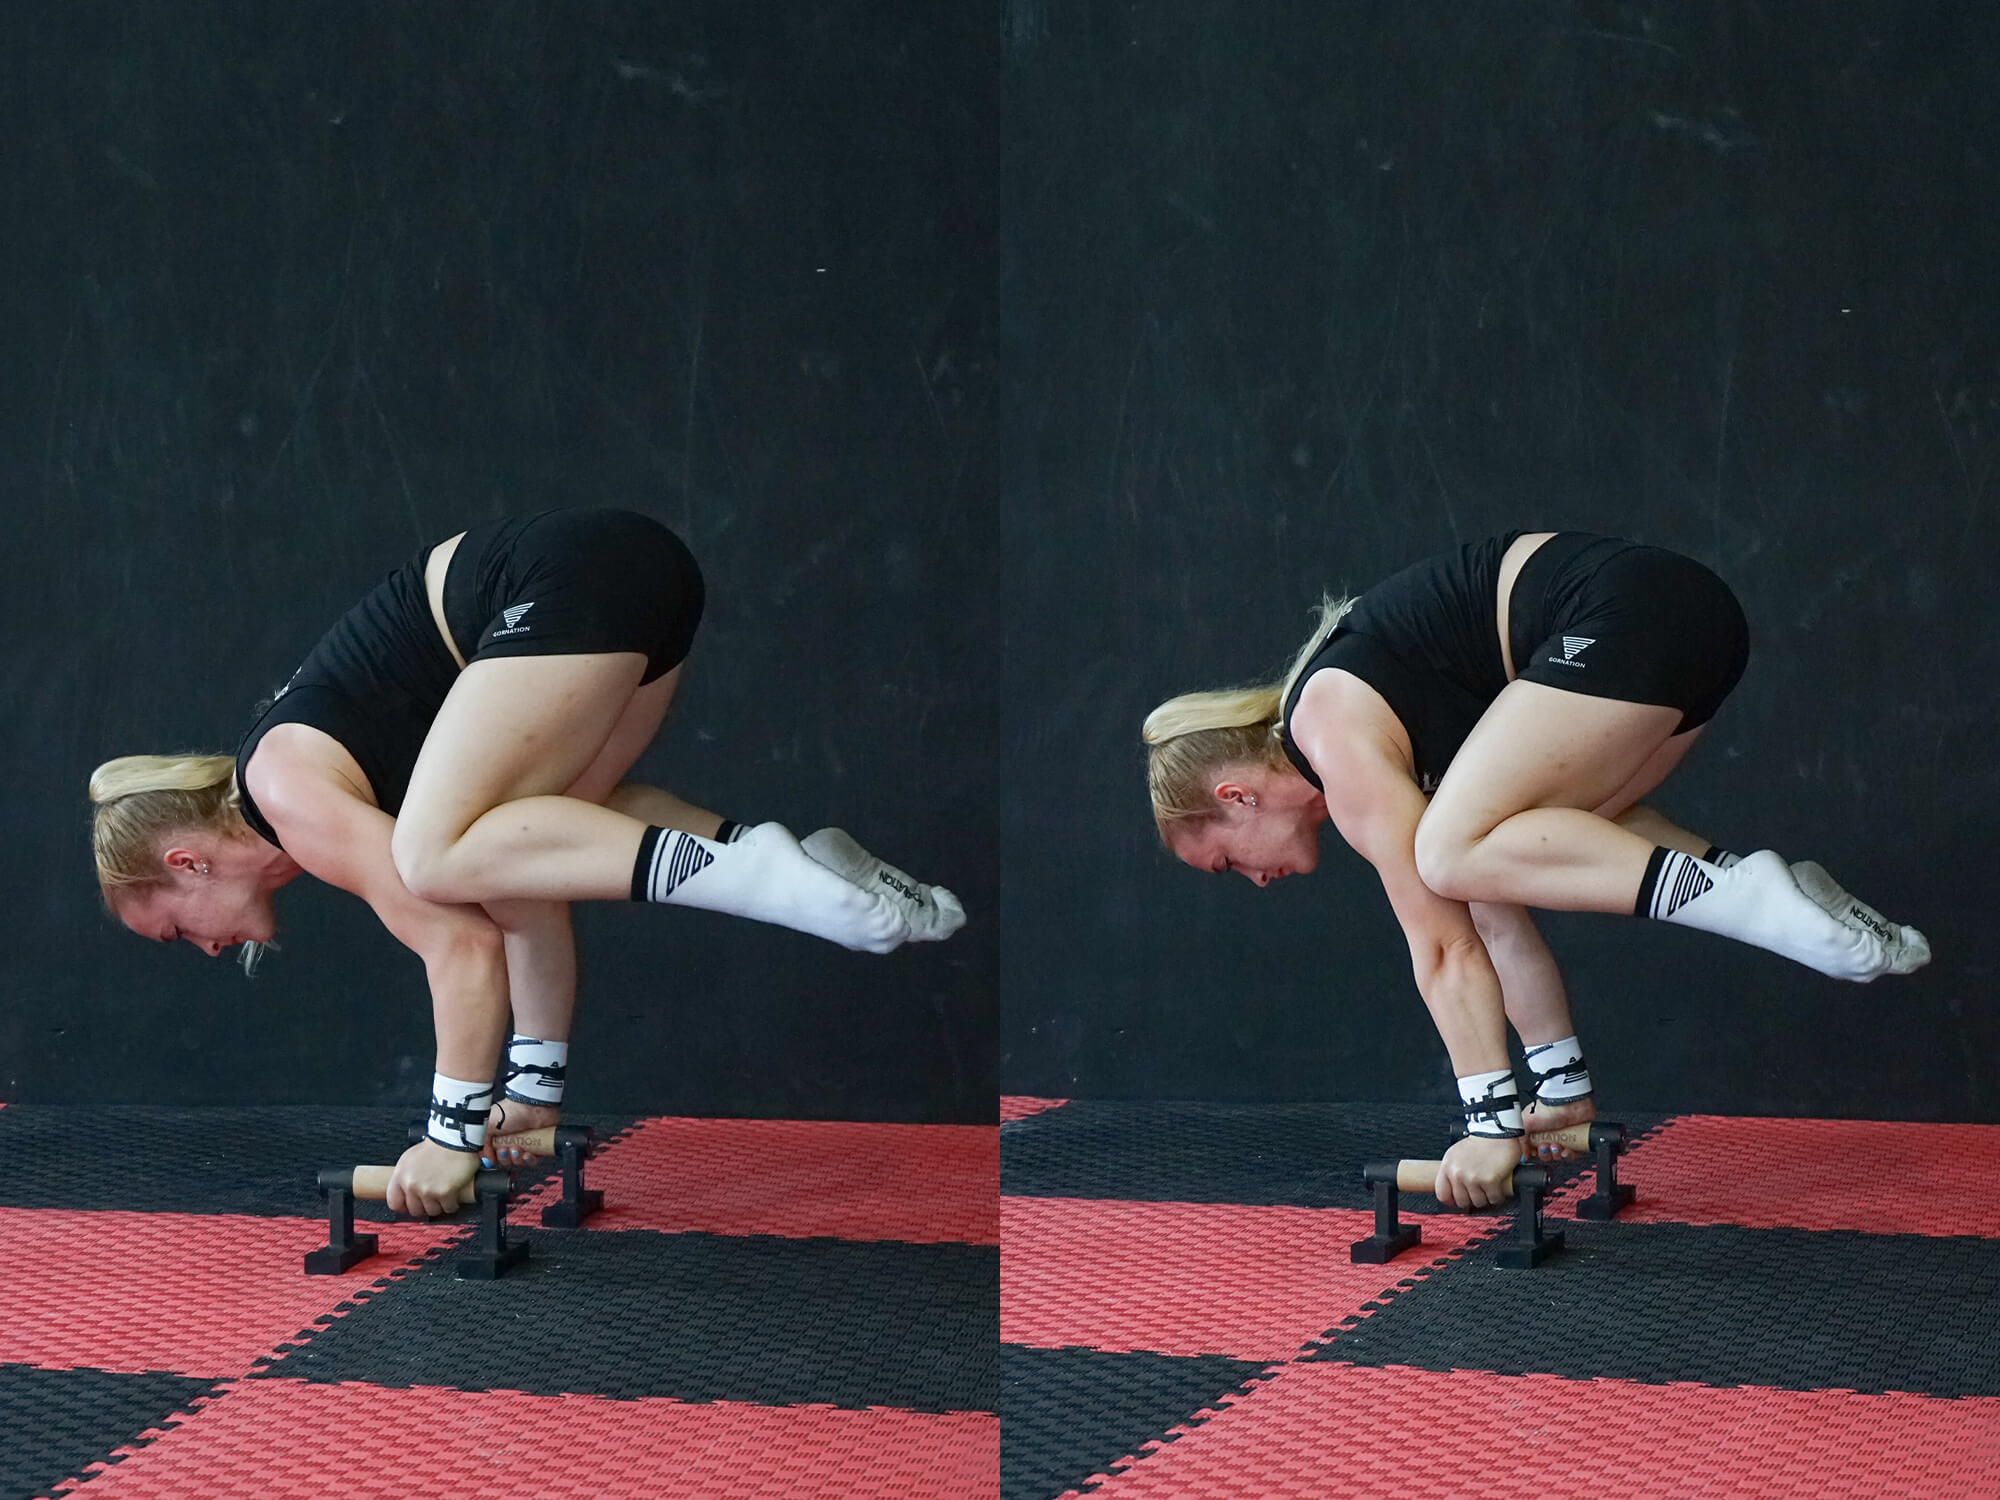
<point>203,867</point>
<point>1253,803</point>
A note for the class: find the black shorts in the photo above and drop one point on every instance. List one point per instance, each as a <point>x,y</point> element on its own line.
<point>574,583</point>
<point>1614,619</point>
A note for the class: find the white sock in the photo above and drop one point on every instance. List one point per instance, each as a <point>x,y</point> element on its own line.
<point>1909,950</point>
<point>1757,901</point>
<point>764,875</point>
<point>933,912</point>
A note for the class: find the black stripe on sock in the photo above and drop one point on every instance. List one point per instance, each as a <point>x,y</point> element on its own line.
<point>1643,907</point>
<point>642,872</point>
<point>729,832</point>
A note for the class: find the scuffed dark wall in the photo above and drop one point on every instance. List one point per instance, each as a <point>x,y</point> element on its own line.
<point>1293,294</point>
<point>292,291</point>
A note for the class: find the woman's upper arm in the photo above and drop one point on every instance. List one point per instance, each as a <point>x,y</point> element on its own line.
<point>341,837</point>
<point>1376,805</point>
<point>1385,836</point>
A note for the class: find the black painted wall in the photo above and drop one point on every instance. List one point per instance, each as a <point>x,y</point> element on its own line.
<point>290,291</point>
<point>1294,293</point>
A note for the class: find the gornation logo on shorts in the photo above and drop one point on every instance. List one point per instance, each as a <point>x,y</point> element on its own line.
<point>512,616</point>
<point>1573,648</point>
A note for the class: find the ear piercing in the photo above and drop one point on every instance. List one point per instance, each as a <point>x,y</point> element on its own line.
<point>1253,803</point>
<point>203,867</point>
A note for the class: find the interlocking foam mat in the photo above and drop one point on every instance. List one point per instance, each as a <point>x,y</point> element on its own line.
<point>1791,1307</point>
<point>764,1307</point>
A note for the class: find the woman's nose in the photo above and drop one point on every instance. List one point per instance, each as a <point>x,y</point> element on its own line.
<point>213,948</point>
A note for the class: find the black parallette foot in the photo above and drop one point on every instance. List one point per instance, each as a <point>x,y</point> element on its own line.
<point>1607,1143</point>
<point>573,1143</point>
<point>1391,1237</point>
<point>1378,1250</point>
<point>344,1249</point>
<point>483,1265</point>
<point>332,1260</point>
<point>1528,1246</point>
<point>491,1255</point>
<point>1525,1256</point>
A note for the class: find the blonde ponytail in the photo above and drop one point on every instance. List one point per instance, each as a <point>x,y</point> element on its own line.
<point>143,799</point>
<point>1195,736</point>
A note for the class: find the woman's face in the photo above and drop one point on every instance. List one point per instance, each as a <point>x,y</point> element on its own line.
<point>1262,844</point>
<point>211,911</point>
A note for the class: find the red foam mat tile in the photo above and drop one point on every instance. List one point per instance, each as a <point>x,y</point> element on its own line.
<point>194,1294</point>
<point>1330,1429</point>
<point>1193,1278</point>
<point>926,1184</point>
<point>1867,1175</point>
<point>281,1438</point>
<point>1020,1106</point>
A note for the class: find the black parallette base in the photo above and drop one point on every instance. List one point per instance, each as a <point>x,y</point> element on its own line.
<point>570,1215</point>
<point>344,1249</point>
<point>1379,1249</point>
<point>492,1255</point>
<point>490,1265</point>
<point>333,1260</point>
<point>1528,1254</point>
<point>1601,1205</point>
<point>1392,1236</point>
<point>1607,1144</point>
<point>573,1143</point>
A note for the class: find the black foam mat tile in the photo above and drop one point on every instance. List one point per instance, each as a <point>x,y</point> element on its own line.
<point>242,1160</point>
<point>54,1422</point>
<point>1066,1414</point>
<point>1790,1308</point>
<point>696,1317</point>
<point>1308,1155</point>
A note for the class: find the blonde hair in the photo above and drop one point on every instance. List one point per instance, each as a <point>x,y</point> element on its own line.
<point>1197,735</point>
<point>142,800</point>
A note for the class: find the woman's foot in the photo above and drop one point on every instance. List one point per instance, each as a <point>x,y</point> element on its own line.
<point>512,1118</point>
<point>1542,1119</point>
<point>765,875</point>
<point>1760,900</point>
<point>1908,949</point>
<point>933,912</point>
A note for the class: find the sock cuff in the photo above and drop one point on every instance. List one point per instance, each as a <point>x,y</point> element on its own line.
<point>1643,907</point>
<point>642,870</point>
<point>1673,880</point>
<point>666,858</point>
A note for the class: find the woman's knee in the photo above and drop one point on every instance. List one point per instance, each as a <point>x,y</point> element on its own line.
<point>1444,851</point>
<point>422,857</point>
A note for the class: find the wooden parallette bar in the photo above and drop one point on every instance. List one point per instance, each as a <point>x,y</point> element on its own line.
<point>1417,1176</point>
<point>1528,1246</point>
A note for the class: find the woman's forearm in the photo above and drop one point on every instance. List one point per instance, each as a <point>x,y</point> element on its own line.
<point>468,981</point>
<point>1462,993</point>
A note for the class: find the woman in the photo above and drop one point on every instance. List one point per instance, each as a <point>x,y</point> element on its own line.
<point>1480,728</point>
<point>453,752</point>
